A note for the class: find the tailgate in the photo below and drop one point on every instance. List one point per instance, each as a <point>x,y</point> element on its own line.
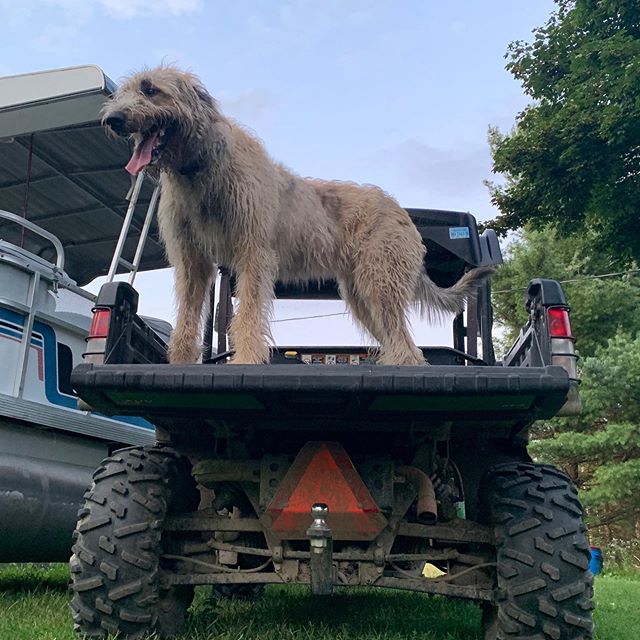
<point>299,396</point>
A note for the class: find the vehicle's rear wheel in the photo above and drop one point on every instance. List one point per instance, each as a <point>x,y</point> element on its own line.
<point>544,584</point>
<point>118,545</point>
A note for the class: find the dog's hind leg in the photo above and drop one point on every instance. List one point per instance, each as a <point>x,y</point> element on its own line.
<point>386,313</point>
<point>249,331</point>
<point>193,274</point>
<point>383,295</point>
<point>358,309</point>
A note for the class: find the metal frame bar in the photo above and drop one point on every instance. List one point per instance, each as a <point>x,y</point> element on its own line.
<point>56,174</point>
<point>23,357</point>
<point>142,240</point>
<point>225,309</point>
<point>94,207</point>
<point>459,332</point>
<point>207,350</point>
<point>17,183</point>
<point>486,324</point>
<point>84,171</point>
<point>117,254</point>
<point>436,555</point>
<point>472,327</point>
<point>463,531</point>
<point>221,578</point>
<point>424,585</point>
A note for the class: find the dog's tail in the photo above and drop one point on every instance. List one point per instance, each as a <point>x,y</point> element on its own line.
<point>434,302</point>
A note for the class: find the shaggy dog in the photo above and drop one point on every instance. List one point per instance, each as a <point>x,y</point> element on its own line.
<point>226,202</point>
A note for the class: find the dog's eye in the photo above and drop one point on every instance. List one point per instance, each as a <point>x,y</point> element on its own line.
<point>148,89</point>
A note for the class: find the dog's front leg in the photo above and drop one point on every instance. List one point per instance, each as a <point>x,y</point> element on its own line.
<point>249,331</point>
<point>193,274</point>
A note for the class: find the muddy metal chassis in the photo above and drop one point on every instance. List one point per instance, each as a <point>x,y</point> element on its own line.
<point>332,475</point>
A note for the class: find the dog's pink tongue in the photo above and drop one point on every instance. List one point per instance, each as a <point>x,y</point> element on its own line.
<point>141,155</point>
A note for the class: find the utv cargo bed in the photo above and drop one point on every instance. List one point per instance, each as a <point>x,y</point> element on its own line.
<point>341,397</point>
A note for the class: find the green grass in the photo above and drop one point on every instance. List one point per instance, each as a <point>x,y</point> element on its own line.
<point>34,606</point>
<point>617,613</point>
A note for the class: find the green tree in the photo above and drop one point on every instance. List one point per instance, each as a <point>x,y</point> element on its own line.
<point>599,306</point>
<point>601,448</point>
<point>573,158</point>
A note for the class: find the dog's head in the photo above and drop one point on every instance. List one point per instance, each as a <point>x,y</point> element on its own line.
<point>165,111</point>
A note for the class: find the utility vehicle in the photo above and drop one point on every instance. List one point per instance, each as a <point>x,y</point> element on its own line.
<point>324,468</point>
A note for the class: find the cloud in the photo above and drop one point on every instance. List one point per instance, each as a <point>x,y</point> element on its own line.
<point>422,175</point>
<point>307,21</point>
<point>440,170</point>
<point>65,21</point>
<point>15,14</point>
<point>172,56</point>
<point>72,6</point>
<point>66,28</point>
<point>52,36</point>
<point>252,103</point>
<point>84,10</point>
<point>126,9</point>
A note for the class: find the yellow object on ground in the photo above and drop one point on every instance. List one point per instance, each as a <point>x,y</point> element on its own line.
<point>431,571</point>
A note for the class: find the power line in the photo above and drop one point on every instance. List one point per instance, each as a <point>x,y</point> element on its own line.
<point>517,290</point>
<point>321,315</point>
<point>591,277</point>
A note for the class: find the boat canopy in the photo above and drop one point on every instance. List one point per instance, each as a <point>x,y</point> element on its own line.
<point>61,171</point>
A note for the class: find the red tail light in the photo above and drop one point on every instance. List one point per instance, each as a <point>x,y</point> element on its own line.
<point>100,323</point>
<point>559,325</point>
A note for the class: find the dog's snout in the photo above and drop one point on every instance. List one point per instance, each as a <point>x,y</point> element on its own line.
<point>117,121</point>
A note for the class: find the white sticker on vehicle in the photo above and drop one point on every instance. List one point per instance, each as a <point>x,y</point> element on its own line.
<point>456,233</point>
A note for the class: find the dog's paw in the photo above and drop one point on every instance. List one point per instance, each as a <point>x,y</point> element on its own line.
<point>403,359</point>
<point>245,359</point>
<point>259,354</point>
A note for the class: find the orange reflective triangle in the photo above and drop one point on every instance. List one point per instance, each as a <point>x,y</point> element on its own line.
<point>323,472</point>
<point>323,481</point>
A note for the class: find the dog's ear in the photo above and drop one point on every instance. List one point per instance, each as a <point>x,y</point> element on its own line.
<point>203,94</point>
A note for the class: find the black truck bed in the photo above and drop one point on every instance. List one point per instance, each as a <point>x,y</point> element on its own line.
<point>333,397</point>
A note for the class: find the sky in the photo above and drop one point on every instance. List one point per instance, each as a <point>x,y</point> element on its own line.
<point>394,93</point>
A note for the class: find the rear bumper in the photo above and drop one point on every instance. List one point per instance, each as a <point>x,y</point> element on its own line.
<point>352,397</point>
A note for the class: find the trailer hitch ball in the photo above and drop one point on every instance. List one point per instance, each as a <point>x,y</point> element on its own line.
<point>321,547</point>
<point>319,532</point>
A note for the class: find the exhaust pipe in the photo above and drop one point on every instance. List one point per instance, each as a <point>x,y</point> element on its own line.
<point>426,507</point>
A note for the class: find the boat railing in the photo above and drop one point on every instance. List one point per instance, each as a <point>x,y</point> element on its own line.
<point>27,224</point>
